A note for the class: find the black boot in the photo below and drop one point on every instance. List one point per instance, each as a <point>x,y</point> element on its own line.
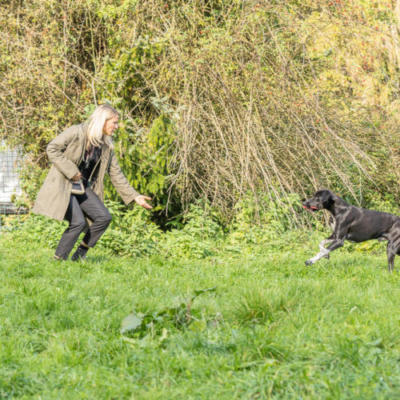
<point>80,253</point>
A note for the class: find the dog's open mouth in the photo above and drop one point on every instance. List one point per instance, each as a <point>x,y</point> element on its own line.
<point>310,208</point>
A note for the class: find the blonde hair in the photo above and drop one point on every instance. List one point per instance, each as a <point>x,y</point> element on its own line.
<point>96,122</point>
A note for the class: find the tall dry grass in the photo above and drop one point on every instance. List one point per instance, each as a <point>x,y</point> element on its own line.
<point>266,96</point>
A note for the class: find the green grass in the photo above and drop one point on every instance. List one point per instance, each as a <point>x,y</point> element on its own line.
<point>273,329</point>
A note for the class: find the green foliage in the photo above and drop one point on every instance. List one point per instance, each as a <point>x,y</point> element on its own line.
<point>31,177</point>
<point>265,218</point>
<point>35,227</point>
<point>144,141</point>
<point>131,233</point>
<point>199,235</point>
<point>146,164</point>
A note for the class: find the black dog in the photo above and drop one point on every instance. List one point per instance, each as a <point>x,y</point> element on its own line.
<point>355,224</point>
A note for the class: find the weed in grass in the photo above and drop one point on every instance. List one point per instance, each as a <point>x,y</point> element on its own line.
<point>181,316</point>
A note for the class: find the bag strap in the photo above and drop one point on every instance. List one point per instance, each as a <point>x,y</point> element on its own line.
<point>94,169</point>
<point>109,161</point>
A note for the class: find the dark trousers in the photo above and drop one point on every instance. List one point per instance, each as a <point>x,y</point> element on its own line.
<point>81,206</point>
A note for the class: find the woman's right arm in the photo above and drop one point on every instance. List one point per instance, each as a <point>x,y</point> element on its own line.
<point>55,151</point>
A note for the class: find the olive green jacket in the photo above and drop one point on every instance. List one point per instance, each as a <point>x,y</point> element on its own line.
<point>65,152</point>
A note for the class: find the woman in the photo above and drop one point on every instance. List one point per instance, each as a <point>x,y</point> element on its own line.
<point>84,153</point>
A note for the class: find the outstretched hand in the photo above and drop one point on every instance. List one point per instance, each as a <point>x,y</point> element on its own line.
<point>141,200</point>
<point>77,177</point>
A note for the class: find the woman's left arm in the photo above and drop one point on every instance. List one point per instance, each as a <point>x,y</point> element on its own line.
<point>124,189</point>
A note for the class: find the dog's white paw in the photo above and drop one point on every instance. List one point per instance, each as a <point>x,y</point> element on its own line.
<point>309,262</point>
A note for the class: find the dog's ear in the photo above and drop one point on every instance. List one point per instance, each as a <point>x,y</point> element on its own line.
<point>328,199</point>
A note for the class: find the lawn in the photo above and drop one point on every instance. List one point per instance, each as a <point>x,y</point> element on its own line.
<point>273,328</point>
